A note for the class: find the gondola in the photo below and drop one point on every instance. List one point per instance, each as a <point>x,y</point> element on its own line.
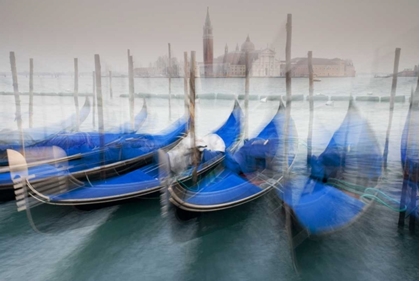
<point>142,181</point>
<point>76,147</point>
<point>340,178</point>
<point>410,156</point>
<point>245,174</point>
<point>33,136</point>
<point>85,142</point>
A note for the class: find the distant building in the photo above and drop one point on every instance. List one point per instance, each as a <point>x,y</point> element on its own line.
<point>321,67</point>
<point>409,72</point>
<point>159,69</point>
<point>262,63</point>
<point>208,46</point>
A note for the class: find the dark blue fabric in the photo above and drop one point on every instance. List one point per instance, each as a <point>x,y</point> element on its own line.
<point>252,156</point>
<point>147,176</point>
<point>208,155</point>
<point>230,131</point>
<point>410,142</point>
<point>140,144</point>
<point>227,186</point>
<point>224,188</point>
<point>130,146</point>
<point>326,208</point>
<point>353,138</point>
<point>321,207</point>
<point>135,181</point>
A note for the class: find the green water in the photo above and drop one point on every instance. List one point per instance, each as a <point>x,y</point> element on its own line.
<point>133,242</point>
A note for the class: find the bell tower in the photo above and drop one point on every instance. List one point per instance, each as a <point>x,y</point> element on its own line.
<point>208,46</point>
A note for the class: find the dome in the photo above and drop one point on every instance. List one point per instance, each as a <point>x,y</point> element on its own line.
<point>247,45</point>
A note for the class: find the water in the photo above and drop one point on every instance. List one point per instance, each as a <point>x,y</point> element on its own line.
<point>133,241</point>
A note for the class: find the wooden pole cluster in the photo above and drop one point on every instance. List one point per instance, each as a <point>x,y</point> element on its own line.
<point>131,87</point>
<point>76,92</point>
<point>17,100</point>
<point>192,117</point>
<point>391,105</point>
<point>31,92</point>
<point>170,77</point>
<point>311,107</point>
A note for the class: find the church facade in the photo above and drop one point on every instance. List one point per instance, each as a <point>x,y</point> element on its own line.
<point>262,63</point>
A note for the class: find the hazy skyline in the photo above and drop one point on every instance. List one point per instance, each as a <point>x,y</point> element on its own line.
<point>55,32</point>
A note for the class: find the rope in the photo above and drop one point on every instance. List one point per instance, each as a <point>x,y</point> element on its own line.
<point>364,193</point>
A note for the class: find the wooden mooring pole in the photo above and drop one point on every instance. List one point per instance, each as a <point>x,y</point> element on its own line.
<point>17,100</point>
<point>131,87</point>
<point>31,92</point>
<point>93,99</point>
<point>76,92</point>
<point>186,75</point>
<point>99,104</point>
<point>288,92</point>
<point>246,102</point>
<point>170,77</point>
<point>192,117</point>
<point>391,105</point>
<point>311,107</point>
<point>289,223</point>
<point>110,84</point>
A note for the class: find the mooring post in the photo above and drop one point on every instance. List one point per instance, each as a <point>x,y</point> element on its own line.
<point>76,92</point>
<point>110,84</point>
<point>131,88</point>
<point>99,104</point>
<point>186,75</point>
<point>17,100</point>
<point>31,92</point>
<point>93,99</point>
<point>192,117</point>
<point>288,91</point>
<point>170,77</point>
<point>246,102</point>
<point>391,105</point>
<point>311,107</point>
<point>286,136</point>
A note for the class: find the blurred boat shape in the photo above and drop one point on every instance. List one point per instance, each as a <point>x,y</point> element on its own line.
<point>139,182</point>
<point>77,147</point>
<point>410,156</point>
<point>10,139</point>
<point>341,177</point>
<point>245,174</point>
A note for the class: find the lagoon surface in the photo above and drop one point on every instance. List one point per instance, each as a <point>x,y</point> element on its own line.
<point>133,241</point>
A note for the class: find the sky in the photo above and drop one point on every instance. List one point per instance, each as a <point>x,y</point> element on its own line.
<point>53,32</point>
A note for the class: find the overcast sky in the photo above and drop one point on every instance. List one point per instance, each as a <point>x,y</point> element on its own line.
<point>53,32</point>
